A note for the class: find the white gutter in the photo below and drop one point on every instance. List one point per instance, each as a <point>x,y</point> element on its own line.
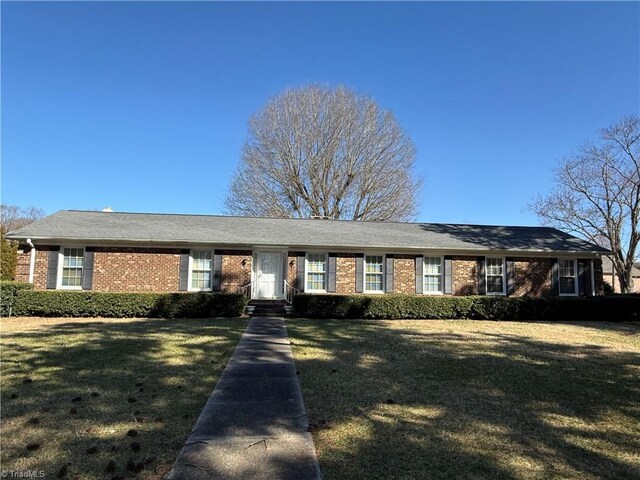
<point>593,281</point>
<point>32,259</point>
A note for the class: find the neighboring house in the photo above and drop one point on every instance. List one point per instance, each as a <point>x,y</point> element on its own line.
<point>609,275</point>
<point>268,257</point>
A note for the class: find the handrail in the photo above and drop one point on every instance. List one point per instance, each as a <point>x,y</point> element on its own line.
<point>289,292</point>
<point>245,290</point>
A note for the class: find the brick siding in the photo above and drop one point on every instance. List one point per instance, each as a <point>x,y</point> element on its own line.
<point>598,276</point>
<point>292,269</point>
<point>465,275</point>
<point>404,274</point>
<point>345,273</point>
<point>40,267</point>
<point>532,276</point>
<point>234,274</point>
<point>117,269</point>
<point>22,265</point>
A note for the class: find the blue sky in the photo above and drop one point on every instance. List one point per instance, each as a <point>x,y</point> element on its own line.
<point>144,106</point>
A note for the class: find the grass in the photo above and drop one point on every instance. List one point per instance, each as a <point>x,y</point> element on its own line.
<point>94,398</point>
<point>471,399</point>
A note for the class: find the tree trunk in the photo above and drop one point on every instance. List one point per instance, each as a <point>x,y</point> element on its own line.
<point>625,279</point>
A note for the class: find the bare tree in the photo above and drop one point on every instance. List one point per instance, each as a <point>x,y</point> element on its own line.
<point>326,152</point>
<point>13,217</point>
<point>597,195</point>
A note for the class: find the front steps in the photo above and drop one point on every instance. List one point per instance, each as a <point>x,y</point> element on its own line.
<point>268,308</point>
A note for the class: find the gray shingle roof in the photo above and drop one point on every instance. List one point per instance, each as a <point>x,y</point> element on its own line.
<point>67,225</point>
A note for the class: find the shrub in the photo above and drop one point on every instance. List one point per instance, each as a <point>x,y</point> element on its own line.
<point>330,306</point>
<point>603,308</point>
<point>8,257</point>
<point>411,306</point>
<point>99,304</point>
<point>8,294</point>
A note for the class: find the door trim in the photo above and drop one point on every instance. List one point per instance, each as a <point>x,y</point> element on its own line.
<point>279,286</point>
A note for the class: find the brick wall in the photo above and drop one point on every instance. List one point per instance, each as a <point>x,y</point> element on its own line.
<point>22,265</point>
<point>345,273</point>
<point>598,277</point>
<point>532,276</point>
<point>234,274</point>
<point>118,269</point>
<point>157,270</point>
<point>292,269</point>
<point>40,267</point>
<point>404,274</point>
<point>465,275</point>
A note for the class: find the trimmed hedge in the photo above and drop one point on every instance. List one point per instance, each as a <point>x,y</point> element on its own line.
<point>99,304</point>
<point>602,308</point>
<point>8,293</point>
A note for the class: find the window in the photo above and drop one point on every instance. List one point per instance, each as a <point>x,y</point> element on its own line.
<point>373,268</point>
<point>316,272</point>
<point>567,277</point>
<point>432,274</point>
<point>201,266</point>
<point>72,264</point>
<point>495,276</point>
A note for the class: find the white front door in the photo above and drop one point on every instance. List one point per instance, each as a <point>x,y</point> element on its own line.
<point>269,275</point>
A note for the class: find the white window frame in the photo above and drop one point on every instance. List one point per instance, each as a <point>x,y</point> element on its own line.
<point>364,273</point>
<point>190,275</point>
<point>59,285</point>
<point>575,277</point>
<point>504,277</point>
<point>306,272</point>
<point>424,275</point>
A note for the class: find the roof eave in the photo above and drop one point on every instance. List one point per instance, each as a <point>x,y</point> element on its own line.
<point>418,248</point>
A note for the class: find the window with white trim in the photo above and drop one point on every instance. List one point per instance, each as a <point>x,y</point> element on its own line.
<point>494,268</point>
<point>72,266</point>
<point>316,272</point>
<point>201,270</point>
<point>373,273</point>
<point>432,274</point>
<point>567,277</point>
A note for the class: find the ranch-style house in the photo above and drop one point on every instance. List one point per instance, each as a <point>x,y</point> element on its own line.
<point>272,258</point>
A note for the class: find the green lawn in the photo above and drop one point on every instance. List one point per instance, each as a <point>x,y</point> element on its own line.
<point>471,399</point>
<point>101,398</point>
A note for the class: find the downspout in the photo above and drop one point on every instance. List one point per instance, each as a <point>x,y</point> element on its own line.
<point>593,281</point>
<point>32,259</point>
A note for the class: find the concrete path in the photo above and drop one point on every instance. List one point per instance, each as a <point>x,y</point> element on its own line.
<point>254,425</point>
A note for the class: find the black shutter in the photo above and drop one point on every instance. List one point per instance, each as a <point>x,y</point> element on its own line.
<point>183,282</point>
<point>359,272</point>
<point>87,270</point>
<point>448,275</point>
<point>52,268</point>
<point>555,280</point>
<point>582,284</point>
<point>217,272</point>
<point>331,284</point>
<point>511,282</point>
<point>482,281</point>
<point>420,274</point>
<point>388,273</point>
<point>300,261</point>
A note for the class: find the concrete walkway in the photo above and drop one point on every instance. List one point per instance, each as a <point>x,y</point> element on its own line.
<point>254,425</point>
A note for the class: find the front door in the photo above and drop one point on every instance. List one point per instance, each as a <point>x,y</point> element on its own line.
<point>269,275</point>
